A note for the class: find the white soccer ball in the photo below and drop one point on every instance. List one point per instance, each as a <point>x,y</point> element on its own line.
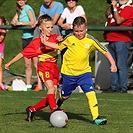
<point>58,119</point>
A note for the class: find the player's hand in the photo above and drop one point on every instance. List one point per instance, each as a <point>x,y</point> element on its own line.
<point>43,37</point>
<point>113,68</point>
<point>66,26</point>
<point>60,38</point>
<point>7,66</point>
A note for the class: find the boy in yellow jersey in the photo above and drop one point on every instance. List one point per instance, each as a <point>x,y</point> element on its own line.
<point>47,68</point>
<point>76,70</point>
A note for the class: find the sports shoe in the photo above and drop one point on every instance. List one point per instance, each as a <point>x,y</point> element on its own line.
<point>37,89</point>
<point>100,121</point>
<point>29,114</point>
<point>123,91</point>
<point>29,87</point>
<point>58,103</point>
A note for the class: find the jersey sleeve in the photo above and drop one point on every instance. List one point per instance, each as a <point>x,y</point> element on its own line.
<point>42,10</point>
<point>60,8</point>
<point>126,13</point>
<point>97,45</point>
<point>81,10</point>
<point>62,45</point>
<point>100,47</point>
<point>29,51</point>
<point>64,13</point>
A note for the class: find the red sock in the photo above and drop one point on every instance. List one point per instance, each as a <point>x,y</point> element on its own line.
<point>51,101</point>
<point>41,104</point>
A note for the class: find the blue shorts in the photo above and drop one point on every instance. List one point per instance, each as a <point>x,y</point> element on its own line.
<point>69,83</point>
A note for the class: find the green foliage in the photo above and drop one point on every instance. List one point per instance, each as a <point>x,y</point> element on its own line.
<point>95,10</point>
<point>117,108</point>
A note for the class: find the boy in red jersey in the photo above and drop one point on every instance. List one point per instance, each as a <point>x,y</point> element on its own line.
<point>47,67</point>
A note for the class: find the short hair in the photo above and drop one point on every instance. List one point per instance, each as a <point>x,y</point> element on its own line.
<point>44,18</point>
<point>68,0</point>
<point>78,21</point>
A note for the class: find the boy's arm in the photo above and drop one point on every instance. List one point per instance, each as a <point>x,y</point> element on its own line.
<point>113,67</point>
<point>49,44</point>
<point>15,59</point>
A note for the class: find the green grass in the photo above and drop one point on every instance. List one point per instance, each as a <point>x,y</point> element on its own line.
<point>117,108</point>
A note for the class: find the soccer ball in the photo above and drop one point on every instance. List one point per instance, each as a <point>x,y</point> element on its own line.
<point>59,119</point>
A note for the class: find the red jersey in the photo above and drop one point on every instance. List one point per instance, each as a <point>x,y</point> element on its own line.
<point>37,48</point>
<point>125,11</point>
<point>47,67</point>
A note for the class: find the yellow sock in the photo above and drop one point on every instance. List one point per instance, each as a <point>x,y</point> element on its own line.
<point>92,101</point>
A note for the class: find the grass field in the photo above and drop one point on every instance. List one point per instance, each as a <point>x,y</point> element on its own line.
<point>117,108</point>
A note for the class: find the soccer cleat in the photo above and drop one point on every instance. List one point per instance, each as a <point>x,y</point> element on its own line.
<point>100,121</point>
<point>29,114</point>
<point>58,103</point>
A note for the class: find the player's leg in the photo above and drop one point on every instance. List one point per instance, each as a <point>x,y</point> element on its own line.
<point>31,109</point>
<point>49,100</point>
<point>92,101</point>
<point>51,80</point>
<point>67,87</point>
<point>60,100</point>
<point>93,104</point>
<point>41,104</point>
<point>87,86</point>
<point>51,95</point>
<point>49,75</point>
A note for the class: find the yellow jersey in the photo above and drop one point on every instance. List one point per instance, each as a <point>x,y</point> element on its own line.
<point>76,57</point>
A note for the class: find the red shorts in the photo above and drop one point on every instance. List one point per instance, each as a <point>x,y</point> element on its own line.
<point>48,71</point>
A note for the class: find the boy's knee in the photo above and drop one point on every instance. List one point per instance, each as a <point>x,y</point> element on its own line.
<point>65,97</point>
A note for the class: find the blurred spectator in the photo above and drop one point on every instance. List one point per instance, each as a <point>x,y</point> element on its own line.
<point>119,14</point>
<point>26,16</point>
<point>53,9</point>
<point>3,32</point>
<point>69,14</point>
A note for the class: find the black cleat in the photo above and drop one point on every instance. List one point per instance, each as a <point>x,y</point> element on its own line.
<point>58,103</point>
<point>29,115</point>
